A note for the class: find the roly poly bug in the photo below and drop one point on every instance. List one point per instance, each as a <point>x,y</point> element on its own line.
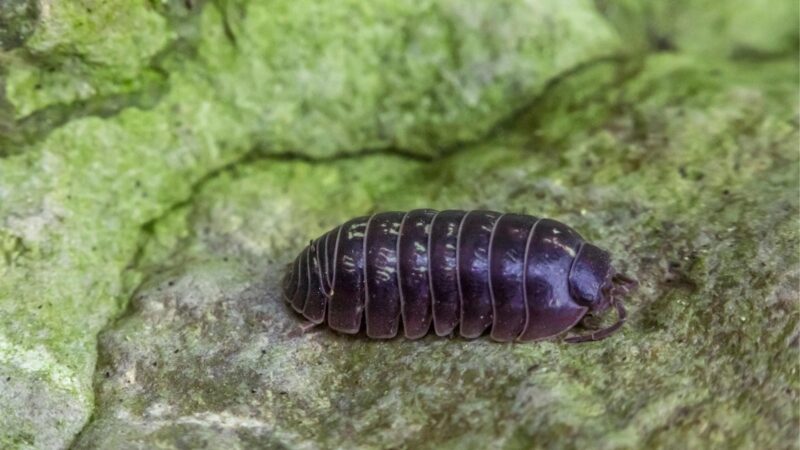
<point>519,276</point>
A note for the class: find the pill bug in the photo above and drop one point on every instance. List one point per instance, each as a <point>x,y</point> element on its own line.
<point>517,276</point>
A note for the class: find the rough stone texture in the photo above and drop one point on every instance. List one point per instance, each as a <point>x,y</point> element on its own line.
<point>154,183</point>
<point>17,22</point>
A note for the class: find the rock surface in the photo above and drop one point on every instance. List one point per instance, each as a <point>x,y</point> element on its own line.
<point>154,183</point>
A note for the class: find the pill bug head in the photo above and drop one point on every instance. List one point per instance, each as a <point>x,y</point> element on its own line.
<point>591,278</point>
<point>595,284</point>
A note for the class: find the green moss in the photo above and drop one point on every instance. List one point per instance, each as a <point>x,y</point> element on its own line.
<point>455,70</point>
<point>742,29</point>
<point>85,49</point>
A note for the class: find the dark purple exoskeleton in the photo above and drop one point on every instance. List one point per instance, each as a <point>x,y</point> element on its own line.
<point>521,277</point>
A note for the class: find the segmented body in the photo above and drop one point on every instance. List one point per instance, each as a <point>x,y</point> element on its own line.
<point>517,276</point>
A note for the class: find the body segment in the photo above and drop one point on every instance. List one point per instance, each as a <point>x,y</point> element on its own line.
<point>382,306</point>
<point>507,269</point>
<point>442,245</point>
<point>412,273</point>
<point>472,272</point>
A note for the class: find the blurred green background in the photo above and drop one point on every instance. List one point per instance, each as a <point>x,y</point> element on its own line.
<point>161,161</point>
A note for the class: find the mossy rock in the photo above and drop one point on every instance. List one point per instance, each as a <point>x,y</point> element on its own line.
<point>154,184</point>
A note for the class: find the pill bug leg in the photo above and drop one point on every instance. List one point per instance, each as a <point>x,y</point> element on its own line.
<point>605,332</point>
<point>304,327</point>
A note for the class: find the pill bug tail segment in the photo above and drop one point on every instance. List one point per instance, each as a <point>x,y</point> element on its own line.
<point>622,286</point>
<point>288,282</point>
